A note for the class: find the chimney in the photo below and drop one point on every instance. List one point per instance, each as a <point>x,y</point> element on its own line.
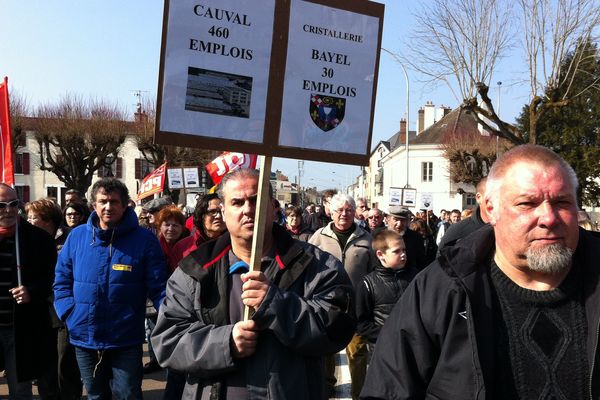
<point>402,138</point>
<point>441,112</point>
<point>421,122</point>
<point>429,115</point>
<point>140,117</point>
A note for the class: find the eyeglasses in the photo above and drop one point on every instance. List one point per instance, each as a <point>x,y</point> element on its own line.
<point>214,212</point>
<point>344,211</point>
<point>12,204</point>
<point>374,217</point>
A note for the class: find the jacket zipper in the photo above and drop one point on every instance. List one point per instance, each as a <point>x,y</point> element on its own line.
<point>473,340</point>
<point>594,358</point>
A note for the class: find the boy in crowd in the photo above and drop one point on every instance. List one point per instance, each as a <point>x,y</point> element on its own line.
<point>382,287</point>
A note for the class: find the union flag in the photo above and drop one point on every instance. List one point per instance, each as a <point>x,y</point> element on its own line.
<point>7,173</point>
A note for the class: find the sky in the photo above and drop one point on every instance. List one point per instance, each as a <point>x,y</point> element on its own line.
<point>109,49</point>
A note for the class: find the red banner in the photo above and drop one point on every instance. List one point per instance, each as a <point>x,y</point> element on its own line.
<point>6,157</point>
<point>228,162</point>
<point>153,183</point>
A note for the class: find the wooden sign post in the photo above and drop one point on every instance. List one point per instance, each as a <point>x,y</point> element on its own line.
<point>259,218</point>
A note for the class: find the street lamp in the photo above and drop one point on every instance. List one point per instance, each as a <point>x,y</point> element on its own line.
<point>407,105</point>
<point>498,114</point>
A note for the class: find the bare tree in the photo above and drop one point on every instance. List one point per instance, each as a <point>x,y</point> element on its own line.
<point>551,31</point>
<point>19,111</point>
<point>460,42</point>
<point>471,155</point>
<point>157,154</point>
<point>77,137</point>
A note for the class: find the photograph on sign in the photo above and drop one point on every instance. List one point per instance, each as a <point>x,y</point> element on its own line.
<point>426,201</point>
<point>218,93</point>
<point>409,197</point>
<point>191,177</point>
<point>395,196</point>
<point>328,85</point>
<point>175,176</point>
<point>215,68</point>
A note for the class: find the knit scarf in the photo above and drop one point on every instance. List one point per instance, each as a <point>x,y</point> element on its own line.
<point>7,231</point>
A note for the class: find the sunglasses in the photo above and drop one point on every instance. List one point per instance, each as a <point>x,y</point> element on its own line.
<point>214,212</point>
<point>12,204</point>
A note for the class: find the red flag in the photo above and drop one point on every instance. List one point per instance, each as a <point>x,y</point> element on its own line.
<point>7,173</point>
<point>228,162</point>
<point>153,183</point>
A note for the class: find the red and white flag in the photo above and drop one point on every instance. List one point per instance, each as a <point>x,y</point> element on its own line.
<point>227,162</point>
<point>7,173</point>
<point>153,183</point>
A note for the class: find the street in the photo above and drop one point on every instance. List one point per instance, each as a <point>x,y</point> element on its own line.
<point>154,384</point>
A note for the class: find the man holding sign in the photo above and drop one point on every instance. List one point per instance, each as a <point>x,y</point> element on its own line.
<point>301,297</point>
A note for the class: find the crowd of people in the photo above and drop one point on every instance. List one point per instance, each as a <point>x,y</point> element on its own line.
<point>497,302</point>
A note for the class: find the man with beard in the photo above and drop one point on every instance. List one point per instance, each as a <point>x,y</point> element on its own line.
<point>512,310</point>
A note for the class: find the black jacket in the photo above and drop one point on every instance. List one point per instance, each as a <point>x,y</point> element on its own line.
<point>31,327</point>
<point>439,340</point>
<point>375,298</point>
<point>415,250</point>
<point>456,232</point>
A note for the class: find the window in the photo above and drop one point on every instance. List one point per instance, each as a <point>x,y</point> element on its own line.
<point>52,191</point>
<point>21,163</point>
<point>471,200</point>
<point>143,168</point>
<point>379,183</point>
<point>23,193</point>
<point>426,172</point>
<point>112,168</point>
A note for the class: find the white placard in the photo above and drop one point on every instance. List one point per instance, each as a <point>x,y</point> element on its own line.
<point>216,68</point>
<point>426,201</point>
<point>175,178</point>
<point>395,196</point>
<point>409,197</point>
<point>328,84</point>
<point>191,177</point>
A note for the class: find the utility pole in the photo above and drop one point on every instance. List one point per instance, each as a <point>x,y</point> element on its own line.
<point>498,114</point>
<point>300,173</point>
<point>397,59</point>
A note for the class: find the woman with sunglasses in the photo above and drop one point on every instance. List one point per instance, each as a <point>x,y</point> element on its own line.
<point>208,224</point>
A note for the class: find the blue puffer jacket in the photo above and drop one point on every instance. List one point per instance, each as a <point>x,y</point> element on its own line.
<point>103,278</point>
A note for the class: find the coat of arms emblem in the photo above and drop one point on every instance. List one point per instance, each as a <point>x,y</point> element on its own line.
<point>327,112</point>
